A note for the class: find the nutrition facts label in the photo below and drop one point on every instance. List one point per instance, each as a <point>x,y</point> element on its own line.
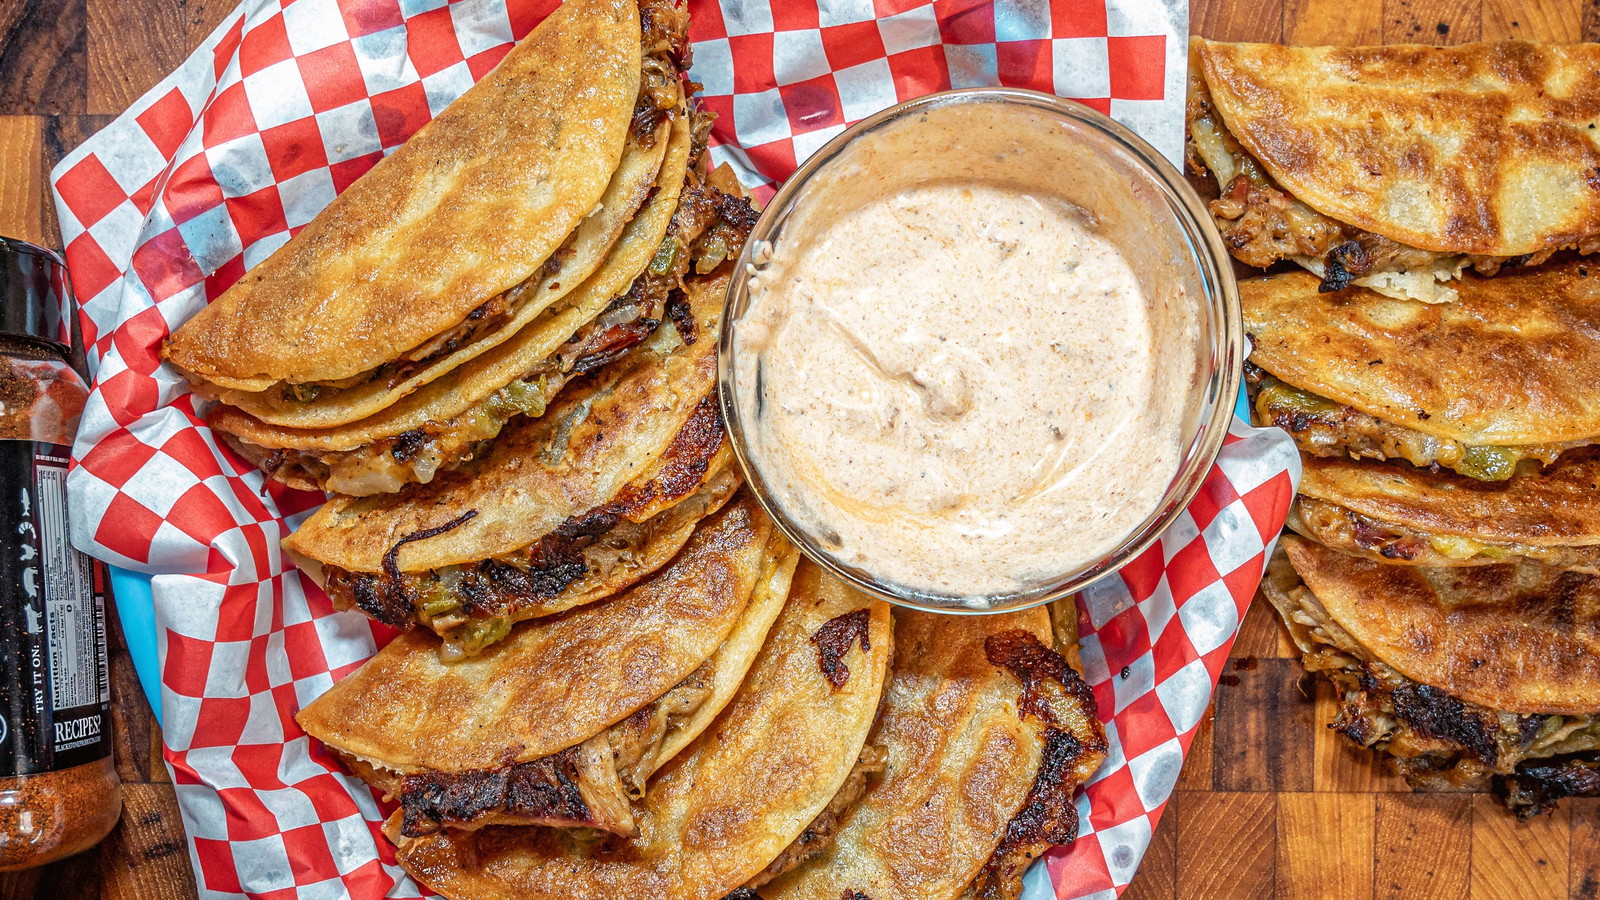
<point>74,616</point>
<point>55,691</point>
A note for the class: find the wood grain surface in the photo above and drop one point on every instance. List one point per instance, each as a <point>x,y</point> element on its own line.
<point>1270,803</point>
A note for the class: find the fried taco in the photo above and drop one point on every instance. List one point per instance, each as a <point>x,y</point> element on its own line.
<point>566,719</point>
<point>563,509</point>
<point>1396,168</point>
<point>987,733</point>
<point>686,230</point>
<point>732,801</point>
<point>1500,381</point>
<point>1398,513</point>
<point>1464,676</point>
<point>489,215</point>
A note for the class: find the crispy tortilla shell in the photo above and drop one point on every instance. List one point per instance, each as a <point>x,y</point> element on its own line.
<point>1522,638</point>
<point>587,249</point>
<point>964,758</point>
<point>1556,507</point>
<point>472,205</point>
<point>588,447</point>
<point>1515,360</point>
<point>1483,148</point>
<point>589,785</point>
<point>552,683</point>
<point>729,804</point>
<point>459,389</point>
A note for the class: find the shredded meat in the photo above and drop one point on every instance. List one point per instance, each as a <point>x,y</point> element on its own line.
<point>665,39</point>
<point>708,228</point>
<point>1322,427</point>
<point>1344,529</point>
<point>1535,789</point>
<point>1431,738</point>
<point>1263,224</point>
<point>637,740</point>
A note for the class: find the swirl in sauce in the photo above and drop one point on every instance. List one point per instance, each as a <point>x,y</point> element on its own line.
<point>959,389</point>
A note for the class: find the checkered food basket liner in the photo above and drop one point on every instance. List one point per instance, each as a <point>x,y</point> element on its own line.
<point>286,104</point>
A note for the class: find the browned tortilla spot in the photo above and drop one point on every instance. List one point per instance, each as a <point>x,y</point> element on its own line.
<point>833,641</point>
<point>1036,665</point>
<point>1047,815</point>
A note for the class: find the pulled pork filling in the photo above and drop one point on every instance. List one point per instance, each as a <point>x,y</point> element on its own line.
<point>587,786</point>
<point>473,605</point>
<point>1344,529</point>
<point>1262,223</point>
<point>1323,427</point>
<point>665,40</point>
<point>1434,739</point>
<point>707,229</point>
<point>636,741</point>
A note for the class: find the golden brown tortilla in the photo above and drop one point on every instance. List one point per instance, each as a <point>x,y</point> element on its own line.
<point>1483,148</point>
<point>1551,515</point>
<point>455,391</point>
<point>1515,360</point>
<point>555,682</point>
<point>598,439</point>
<point>469,207</point>
<point>962,761</point>
<point>726,806</point>
<point>1523,638</point>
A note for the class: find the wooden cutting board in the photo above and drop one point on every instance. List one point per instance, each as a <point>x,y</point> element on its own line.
<point>1269,805</point>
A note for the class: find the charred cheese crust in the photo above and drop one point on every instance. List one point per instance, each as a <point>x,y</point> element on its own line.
<point>587,786</point>
<point>472,606</point>
<point>1432,738</point>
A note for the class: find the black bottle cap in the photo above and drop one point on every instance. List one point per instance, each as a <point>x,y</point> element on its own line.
<point>35,293</point>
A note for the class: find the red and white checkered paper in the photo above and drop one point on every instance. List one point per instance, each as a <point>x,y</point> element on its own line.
<point>287,103</point>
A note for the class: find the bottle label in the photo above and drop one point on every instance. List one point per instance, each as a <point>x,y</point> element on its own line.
<point>55,693</point>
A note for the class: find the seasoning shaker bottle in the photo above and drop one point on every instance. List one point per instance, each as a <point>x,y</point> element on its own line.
<point>59,792</point>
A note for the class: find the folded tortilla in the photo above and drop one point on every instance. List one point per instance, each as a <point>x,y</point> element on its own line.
<point>1398,513</point>
<point>1508,373</point>
<point>988,734</point>
<point>637,677</point>
<point>443,420</point>
<point>729,803</point>
<point>579,258</point>
<point>556,512</point>
<point>1464,677</point>
<point>473,205</point>
<point>1396,167</point>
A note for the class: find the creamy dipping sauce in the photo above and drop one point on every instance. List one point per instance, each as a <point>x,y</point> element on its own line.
<point>960,385</point>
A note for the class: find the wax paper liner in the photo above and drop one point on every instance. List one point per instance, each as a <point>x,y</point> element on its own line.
<point>287,103</point>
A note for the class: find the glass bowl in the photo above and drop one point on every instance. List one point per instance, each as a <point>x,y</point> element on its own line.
<point>1120,166</point>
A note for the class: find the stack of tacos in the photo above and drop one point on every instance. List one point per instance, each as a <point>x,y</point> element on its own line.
<point>616,678</point>
<point>526,236</point>
<point>1437,369</point>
